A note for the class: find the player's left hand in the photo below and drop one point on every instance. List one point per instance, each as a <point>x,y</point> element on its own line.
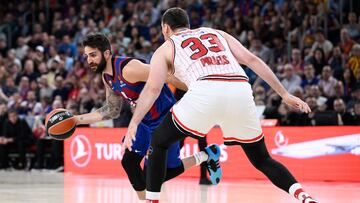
<point>130,137</point>
<point>296,103</point>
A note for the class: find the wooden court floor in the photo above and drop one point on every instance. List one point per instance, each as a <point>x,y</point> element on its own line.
<point>50,187</point>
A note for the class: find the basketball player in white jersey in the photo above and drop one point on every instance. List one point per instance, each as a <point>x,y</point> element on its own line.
<point>207,61</point>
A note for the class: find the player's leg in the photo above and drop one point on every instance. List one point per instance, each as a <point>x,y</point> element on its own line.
<point>131,163</point>
<point>176,166</point>
<point>175,127</point>
<point>163,137</point>
<point>131,160</point>
<point>277,173</point>
<point>242,127</point>
<point>203,177</point>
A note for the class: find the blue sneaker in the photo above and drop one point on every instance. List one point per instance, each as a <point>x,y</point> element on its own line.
<point>213,165</point>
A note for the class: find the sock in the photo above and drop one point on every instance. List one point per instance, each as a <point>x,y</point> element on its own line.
<point>152,196</point>
<point>152,201</point>
<point>200,157</point>
<point>297,191</point>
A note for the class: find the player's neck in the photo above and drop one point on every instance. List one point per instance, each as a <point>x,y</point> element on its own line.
<point>109,68</point>
<point>180,30</point>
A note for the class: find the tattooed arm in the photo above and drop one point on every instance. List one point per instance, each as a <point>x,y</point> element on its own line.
<point>110,110</point>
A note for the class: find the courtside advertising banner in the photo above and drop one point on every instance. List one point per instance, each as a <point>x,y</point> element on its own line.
<point>310,153</point>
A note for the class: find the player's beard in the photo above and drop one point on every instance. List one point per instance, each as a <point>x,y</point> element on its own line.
<point>99,67</point>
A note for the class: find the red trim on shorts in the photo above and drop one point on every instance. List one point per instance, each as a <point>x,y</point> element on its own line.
<point>233,139</point>
<point>226,80</point>
<point>186,128</point>
<point>225,75</point>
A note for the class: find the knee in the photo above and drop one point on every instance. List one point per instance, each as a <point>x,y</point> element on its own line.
<point>130,160</point>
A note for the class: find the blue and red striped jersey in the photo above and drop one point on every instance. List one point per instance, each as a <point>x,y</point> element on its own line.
<point>131,91</point>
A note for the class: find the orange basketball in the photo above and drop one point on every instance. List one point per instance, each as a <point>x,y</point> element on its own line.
<point>60,124</point>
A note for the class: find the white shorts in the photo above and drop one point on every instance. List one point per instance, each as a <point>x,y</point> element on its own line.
<point>229,104</point>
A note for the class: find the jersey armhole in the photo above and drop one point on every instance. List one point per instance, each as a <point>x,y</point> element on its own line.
<point>173,56</point>
<point>123,64</point>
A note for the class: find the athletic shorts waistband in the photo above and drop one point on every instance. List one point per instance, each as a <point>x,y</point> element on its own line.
<point>228,78</point>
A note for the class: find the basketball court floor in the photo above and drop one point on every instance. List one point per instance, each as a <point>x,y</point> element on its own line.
<point>50,187</point>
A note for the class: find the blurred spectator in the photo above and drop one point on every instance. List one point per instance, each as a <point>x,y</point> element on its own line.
<point>3,116</point>
<point>316,94</point>
<point>3,97</point>
<point>346,43</point>
<point>343,117</point>
<point>337,63</point>
<point>354,60</point>
<point>297,62</point>
<point>17,136</point>
<point>39,54</point>
<point>145,52</point>
<point>261,51</point>
<point>327,82</point>
<point>291,80</point>
<point>349,81</point>
<point>11,57</point>
<point>24,87</point>
<point>353,26</point>
<point>318,60</point>
<point>45,89</point>
<point>9,88</point>
<point>355,95</point>
<point>357,113</point>
<point>3,75</point>
<point>115,18</point>
<point>309,77</point>
<point>279,51</point>
<point>22,48</point>
<point>322,43</point>
<point>30,106</point>
<point>339,94</point>
<point>3,46</point>
<point>60,89</point>
<point>28,72</point>
<point>67,47</point>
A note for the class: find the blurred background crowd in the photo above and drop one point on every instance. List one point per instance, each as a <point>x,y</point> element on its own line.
<point>311,45</point>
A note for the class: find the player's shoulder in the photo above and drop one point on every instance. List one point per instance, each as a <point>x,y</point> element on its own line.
<point>166,46</point>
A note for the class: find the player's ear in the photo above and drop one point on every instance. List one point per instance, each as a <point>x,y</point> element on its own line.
<point>107,54</point>
<point>166,29</point>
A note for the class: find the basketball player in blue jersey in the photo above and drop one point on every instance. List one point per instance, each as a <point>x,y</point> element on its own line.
<point>124,79</point>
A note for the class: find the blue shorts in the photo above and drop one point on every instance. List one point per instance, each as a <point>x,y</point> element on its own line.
<point>142,144</point>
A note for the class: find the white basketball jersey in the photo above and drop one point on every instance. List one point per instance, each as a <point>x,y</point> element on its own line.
<point>202,52</point>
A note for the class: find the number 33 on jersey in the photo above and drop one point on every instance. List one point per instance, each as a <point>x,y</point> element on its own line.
<point>202,52</point>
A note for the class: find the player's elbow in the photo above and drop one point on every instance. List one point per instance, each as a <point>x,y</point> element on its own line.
<point>251,60</point>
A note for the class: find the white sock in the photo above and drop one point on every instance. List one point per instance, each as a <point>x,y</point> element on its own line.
<point>200,157</point>
<point>297,191</point>
<point>152,195</point>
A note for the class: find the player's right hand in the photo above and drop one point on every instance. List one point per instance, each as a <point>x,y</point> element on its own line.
<point>130,136</point>
<point>296,103</point>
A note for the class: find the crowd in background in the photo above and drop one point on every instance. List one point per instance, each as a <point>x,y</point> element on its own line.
<point>311,45</point>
